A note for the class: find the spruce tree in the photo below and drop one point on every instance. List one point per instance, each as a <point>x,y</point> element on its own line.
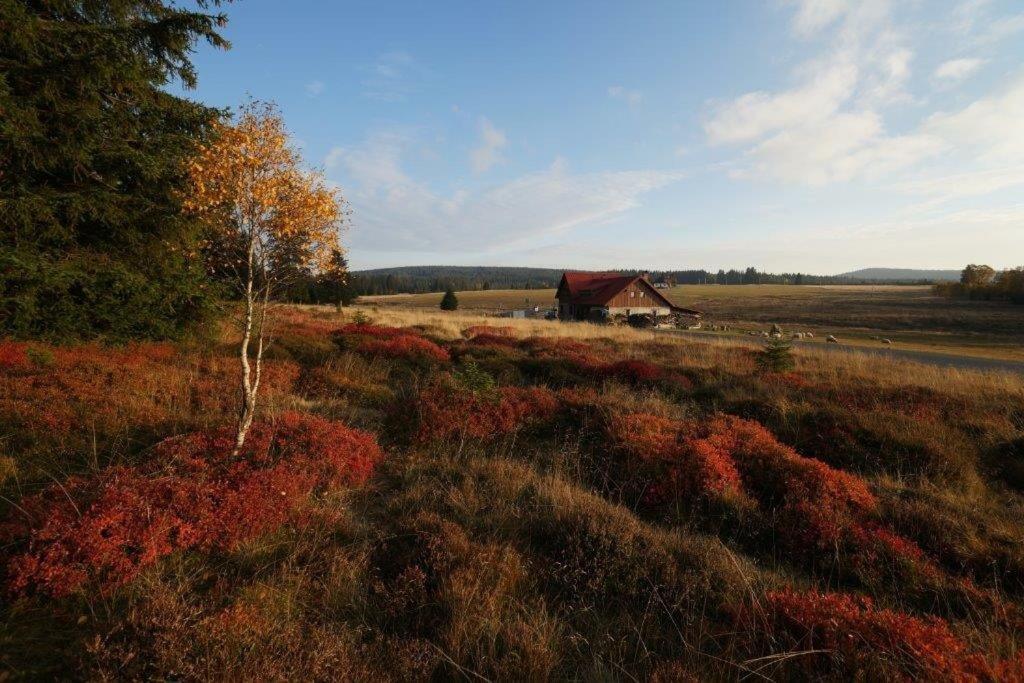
<point>776,356</point>
<point>449,302</point>
<point>92,152</point>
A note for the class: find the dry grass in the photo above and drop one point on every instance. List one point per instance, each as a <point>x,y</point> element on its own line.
<point>711,352</point>
<point>911,316</point>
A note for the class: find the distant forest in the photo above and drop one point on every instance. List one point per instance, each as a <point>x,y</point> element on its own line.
<point>420,279</point>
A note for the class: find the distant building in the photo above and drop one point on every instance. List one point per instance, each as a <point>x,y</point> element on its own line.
<point>661,285</point>
<point>599,296</point>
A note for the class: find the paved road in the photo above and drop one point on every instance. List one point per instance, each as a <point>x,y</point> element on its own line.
<point>926,357</point>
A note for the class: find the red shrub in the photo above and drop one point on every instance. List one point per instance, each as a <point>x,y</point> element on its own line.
<point>87,392</point>
<point>370,330</point>
<point>404,346</point>
<point>633,371</point>
<point>648,438</point>
<point>445,412</point>
<point>859,637</point>
<point>487,339</point>
<point>190,494</point>
<point>13,355</point>
<point>677,468</point>
<point>562,348</point>
<point>817,503</point>
<point>878,552</point>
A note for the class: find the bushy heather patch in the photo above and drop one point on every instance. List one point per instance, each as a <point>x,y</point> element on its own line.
<point>487,339</point>
<point>814,503</point>
<point>404,347</point>
<point>13,355</point>
<point>813,510</point>
<point>632,371</point>
<point>370,330</point>
<point>191,494</point>
<point>351,335</point>
<point>445,412</point>
<point>672,466</point>
<point>580,354</point>
<point>850,637</point>
<point>92,393</point>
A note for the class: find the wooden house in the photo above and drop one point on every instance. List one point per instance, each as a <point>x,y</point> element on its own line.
<point>600,296</point>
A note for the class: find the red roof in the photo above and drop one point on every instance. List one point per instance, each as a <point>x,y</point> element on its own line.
<point>598,289</point>
<point>595,289</point>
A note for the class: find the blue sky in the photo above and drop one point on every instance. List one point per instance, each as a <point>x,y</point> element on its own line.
<point>810,135</point>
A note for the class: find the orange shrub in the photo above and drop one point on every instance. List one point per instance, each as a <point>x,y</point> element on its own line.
<point>445,412</point>
<point>91,391</point>
<point>13,355</point>
<point>408,347</point>
<point>487,339</point>
<point>191,494</point>
<point>859,638</point>
<point>816,504</point>
<point>370,330</point>
<point>675,466</point>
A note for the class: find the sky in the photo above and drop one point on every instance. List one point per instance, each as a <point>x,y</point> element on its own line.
<point>816,136</point>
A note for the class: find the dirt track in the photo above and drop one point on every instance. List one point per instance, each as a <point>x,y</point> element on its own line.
<point>926,357</point>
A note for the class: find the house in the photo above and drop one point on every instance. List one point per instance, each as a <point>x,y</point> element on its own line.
<point>600,296</point>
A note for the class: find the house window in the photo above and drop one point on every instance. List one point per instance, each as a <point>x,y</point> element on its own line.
<point>641,295</point>
<point>632,294</point>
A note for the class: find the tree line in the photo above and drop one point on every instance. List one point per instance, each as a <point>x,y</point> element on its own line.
<point>981,282</point>
<point>424,279</point>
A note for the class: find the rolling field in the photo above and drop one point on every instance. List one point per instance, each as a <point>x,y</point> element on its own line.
<point>911,316</point>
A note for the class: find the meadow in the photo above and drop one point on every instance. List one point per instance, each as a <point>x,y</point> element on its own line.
<point>433,496</point>
<point>911,316</point>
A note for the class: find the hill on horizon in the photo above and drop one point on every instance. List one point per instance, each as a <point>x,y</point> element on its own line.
<point>901,274</point>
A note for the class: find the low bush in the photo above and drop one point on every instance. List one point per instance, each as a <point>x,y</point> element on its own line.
<point>445,412</point>
<point>848,637</point>
<point>404,347</point>
<point>191,494</point>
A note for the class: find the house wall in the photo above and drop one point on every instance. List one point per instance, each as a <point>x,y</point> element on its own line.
<point>639,310</point>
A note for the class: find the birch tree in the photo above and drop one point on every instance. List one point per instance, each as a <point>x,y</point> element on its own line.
<point>270,220</point>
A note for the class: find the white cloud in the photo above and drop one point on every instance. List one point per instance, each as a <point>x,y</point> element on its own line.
<point>842,147</point>
<point>315,88</point>
<point>814,15</point>
<point>958,69</point>
<point>631,97</point>
<point>831,125</point>
<point>488,153</point>
<point>960,185</point>
<point>393,212</point>
<point>989,129</point>
<point>755,114</point>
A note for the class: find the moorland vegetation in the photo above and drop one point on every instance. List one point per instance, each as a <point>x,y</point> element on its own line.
<point>427,495</point>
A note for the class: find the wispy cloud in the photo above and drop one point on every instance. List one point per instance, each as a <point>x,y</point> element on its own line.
<point>955,70</point>
<point>631,97</point>
<point>315,88</point>
<point>488,153</point>
<point>831,124</point>
<point>395,212</point>
<point>393,77</point>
